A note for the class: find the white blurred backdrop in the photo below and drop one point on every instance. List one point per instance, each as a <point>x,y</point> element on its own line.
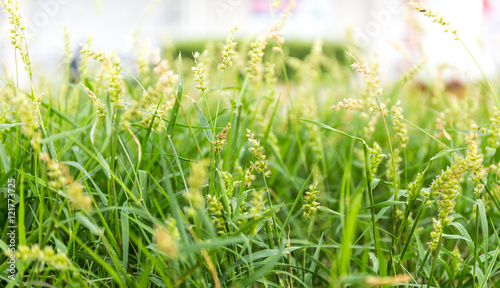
<point>388,27</point>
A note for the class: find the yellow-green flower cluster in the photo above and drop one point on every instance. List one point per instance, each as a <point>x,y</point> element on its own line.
<point>372,82</point>
<point>414,189</point>
<point>474,160</point>
<point>149,117</point>
<point>257,203</point>
<point>57,178</point>
<point>79,200</point>
<point>214,207</point>
<point>257,48</point>
<point>164,86</point>
<point>360,68</point>
<point>196,181</point>
<point>249,177</point>
<point>373,106</point>
<point>440,124</point>
<point>68,54</point>
<point>100,56</point>
<point>84,59</point>
<point>110,72</point>
<point>116,85</point>
<point>46,255</point>
<point>221,138</point>
<point>229,50</point>
<point>311,205</point>
<point>17,38</point>
<point>229,183</point>
<point>142,59</point>
<point>413,71</point>
<point>166,242</point>
<point>172,227</point>
<point>437,231</point>
<point>101,107</point>
<point>399,126</point>
<point>420,7</point>
<point>7,113</point>
<point>456,264</point>
<point>199,73</point>
<point>350,104</point>
<point>376,158</point>
<point>27,115</point>
<point>275,30</point>
<point>270,80</point>
<point>445,189</point>
<point>369,99</point>
<point>276,4</point>
<point>261,165</point>
<point>494,130</point>
<point>243,213</point>
<point>393,170</point>
<point>256,54</point>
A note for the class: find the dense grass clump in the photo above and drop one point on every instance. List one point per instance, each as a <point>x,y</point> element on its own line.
<point>242,166</point>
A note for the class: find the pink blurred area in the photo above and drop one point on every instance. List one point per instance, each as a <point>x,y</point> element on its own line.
<point>265,6</point>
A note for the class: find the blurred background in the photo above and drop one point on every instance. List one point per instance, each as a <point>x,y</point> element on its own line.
<point>389,28</point>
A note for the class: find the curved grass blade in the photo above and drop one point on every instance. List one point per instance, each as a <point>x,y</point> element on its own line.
<point>175,110</point>
<point>204,123</point>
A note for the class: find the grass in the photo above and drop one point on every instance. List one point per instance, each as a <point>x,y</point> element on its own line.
<point>130,179</point>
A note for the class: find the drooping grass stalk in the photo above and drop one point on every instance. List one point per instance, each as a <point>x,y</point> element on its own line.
<point>480,69</point>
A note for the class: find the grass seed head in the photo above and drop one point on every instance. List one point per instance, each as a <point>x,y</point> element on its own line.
<point>196,181</point>
<point>229,50</point>
<point>261,165</point>
<point>220,140</point>
<point>46,255</point>
<point>372,281</point>
<point>17,32</point>
<point>249,177</point>
<point>214,207</point>
<point>79,199</point>
<point>166,243</point>
<point>229,183</point>
<point>199,73</point>
<point>68,53</point>
<point>101,107</point>
<point>399,126</point>
<point>311,205</point>
<point>376,158</point>
<point>360,68</point>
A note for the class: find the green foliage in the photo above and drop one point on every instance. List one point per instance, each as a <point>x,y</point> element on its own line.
<point>123,182</point>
